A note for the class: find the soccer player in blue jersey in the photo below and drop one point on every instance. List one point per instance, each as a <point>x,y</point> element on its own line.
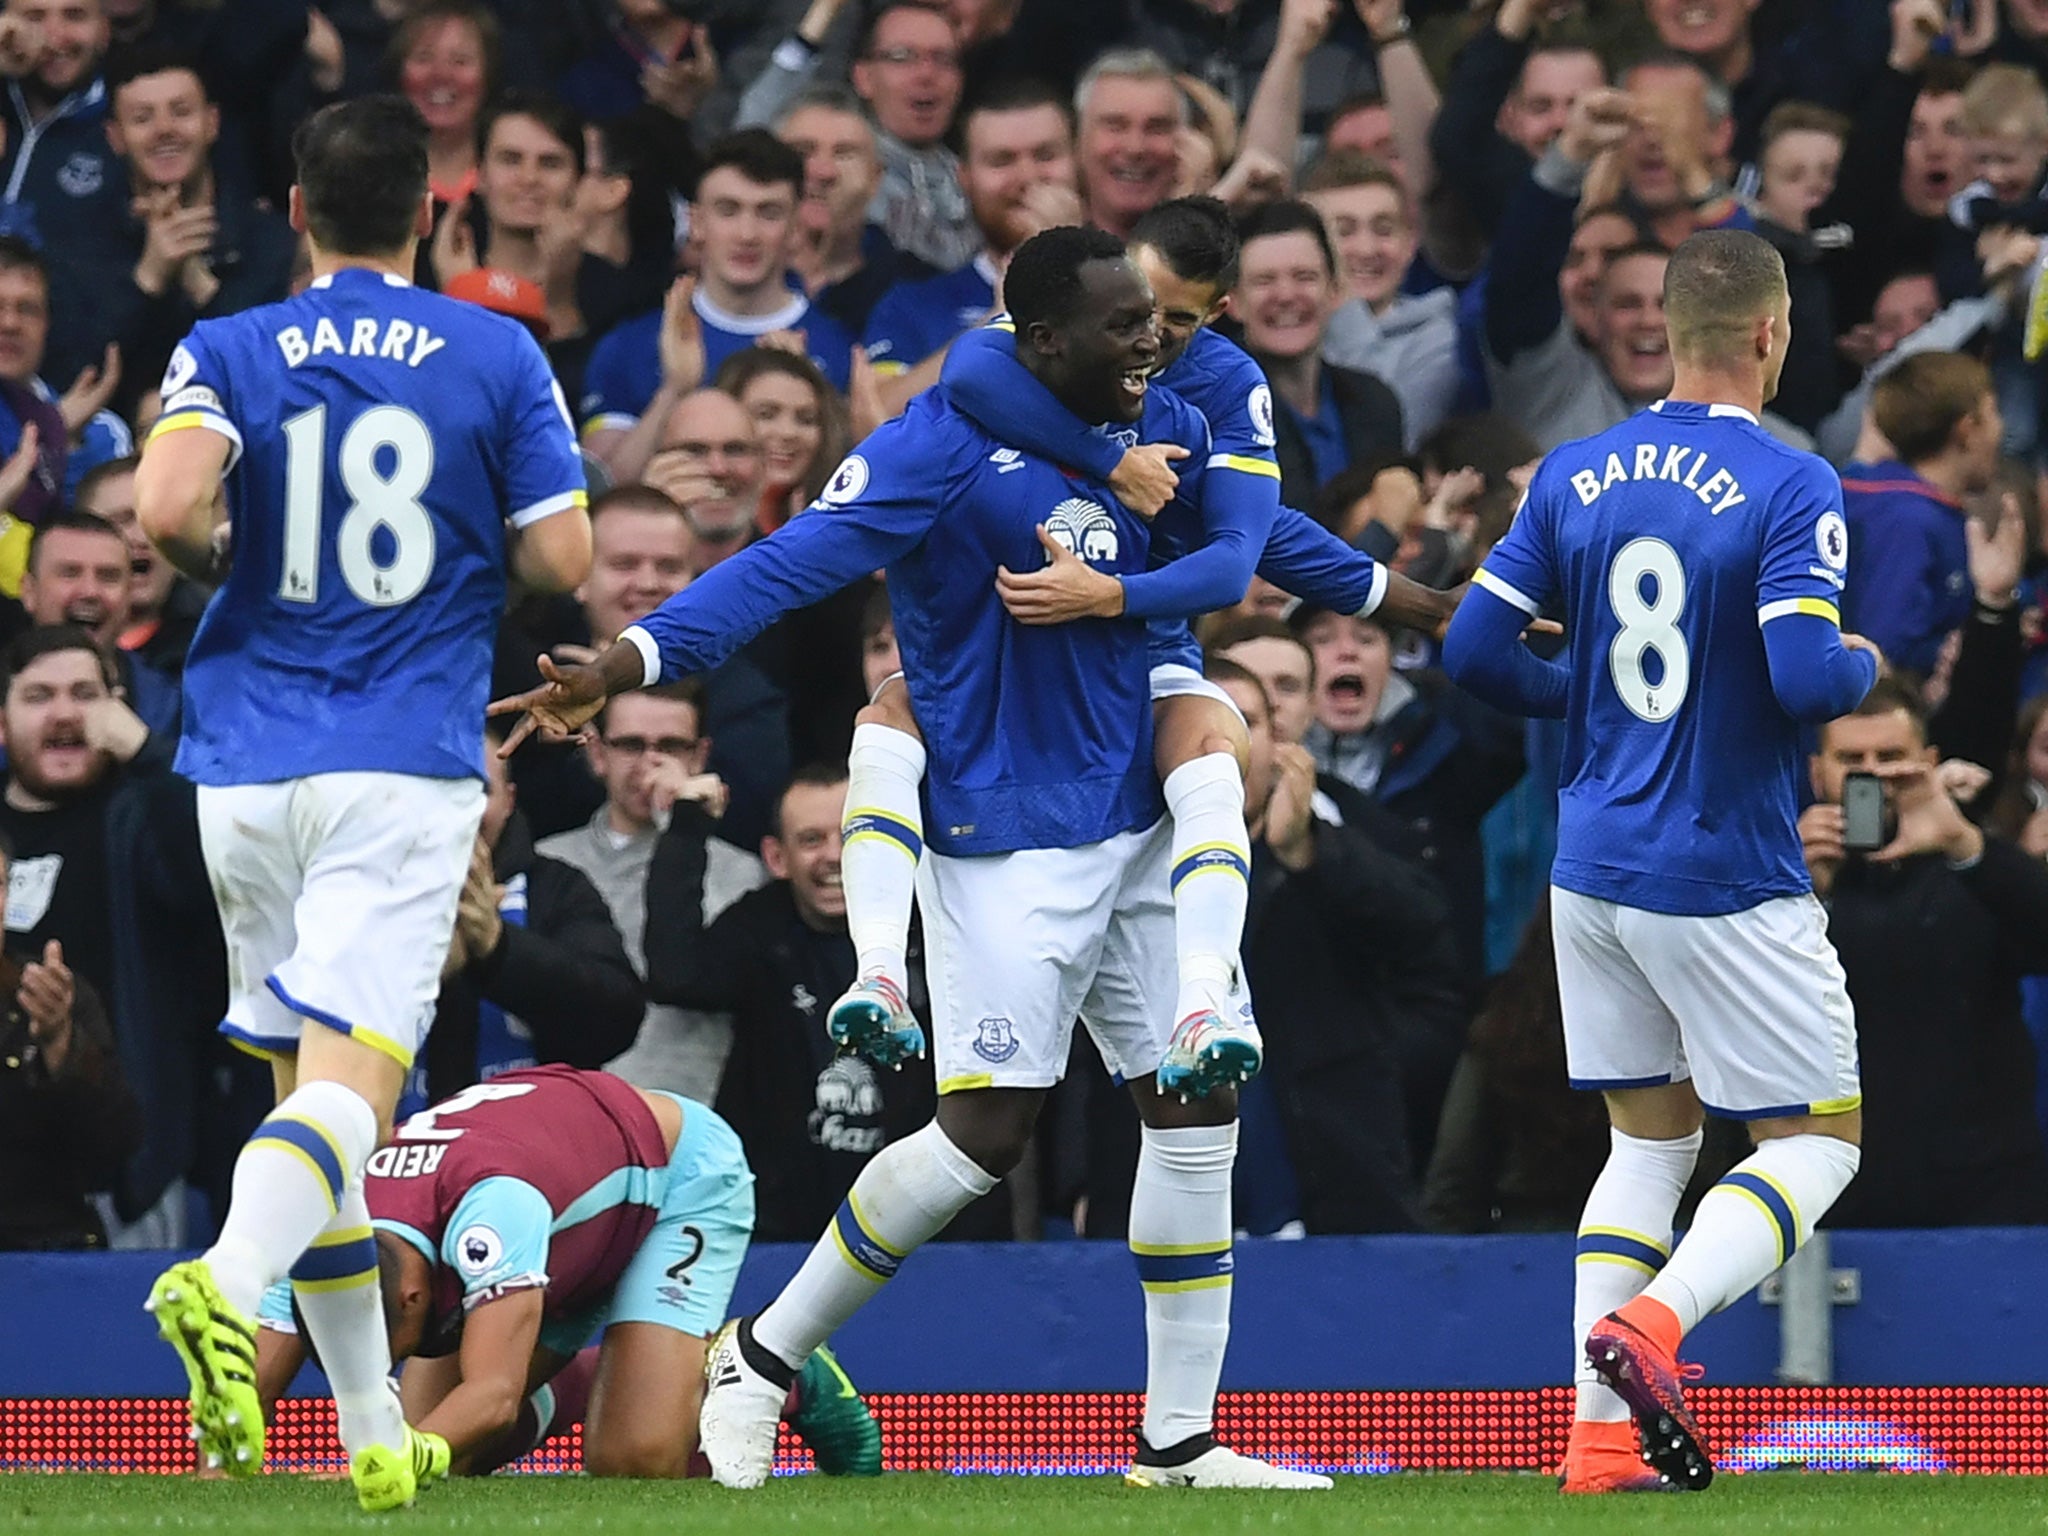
<point>1699,565</point>
<point>1187,250</point>
<point>1046,888</point>
<point>383,455</point>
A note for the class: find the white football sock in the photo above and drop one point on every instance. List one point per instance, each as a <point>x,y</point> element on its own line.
<point>1180,1237</point>
<point>1211,877</point>
<point>289,1182</point>
<point>335,1281</point>
<point>1624,1239</point>
<point>903,1198</point>
<point>1752,1222</point>
<point>884,836</point>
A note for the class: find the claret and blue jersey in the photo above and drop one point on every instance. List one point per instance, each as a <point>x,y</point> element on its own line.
<point>382,437</point>
<point>1699,565</point>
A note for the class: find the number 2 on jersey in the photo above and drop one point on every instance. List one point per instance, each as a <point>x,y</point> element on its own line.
<point>1646,626</point>
<point>375,500</point>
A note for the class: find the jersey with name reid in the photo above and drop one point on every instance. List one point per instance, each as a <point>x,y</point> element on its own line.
<point>1667,543</point>
<point>381,439</point>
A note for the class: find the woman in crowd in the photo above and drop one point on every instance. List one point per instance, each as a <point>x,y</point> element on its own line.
<point>801,420</point>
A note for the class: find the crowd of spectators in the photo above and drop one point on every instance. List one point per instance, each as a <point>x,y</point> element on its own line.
<point>747,232</point>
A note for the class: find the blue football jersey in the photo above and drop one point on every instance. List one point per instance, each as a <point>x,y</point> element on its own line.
<point>1667,543</point>
<point>624,372</point>
<point>1038,736</point>
<point>913,320</point>
<point>382,438</point>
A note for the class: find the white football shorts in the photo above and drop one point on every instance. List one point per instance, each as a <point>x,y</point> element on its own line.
<point>337,899</point>
<point>1018,945</point>
<point>1171,679</point>
<point>1751,1006</point>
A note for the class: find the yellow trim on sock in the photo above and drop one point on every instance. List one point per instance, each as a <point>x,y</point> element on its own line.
<point>318,1130</point>
<point>1174,1287</point>
<point>1799,1233</point>
<point>361,1278</point>
<point>1179,1250</point>
<point>1769,1215</point>
<point>1635,1237</point>
<point>336,1239</point>
<point>868,1228</point>
<point>319,1174</point>
<point>1621,1258</point>
<point>966,1080</point>
<point>851,1262</point>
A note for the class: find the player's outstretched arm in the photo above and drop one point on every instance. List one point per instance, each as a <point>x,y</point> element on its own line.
<point>1484,655</point>
<point>178,497</point>
<point>498,1339</point>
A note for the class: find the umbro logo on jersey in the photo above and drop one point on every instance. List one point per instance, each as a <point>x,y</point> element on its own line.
<point>1006,460</point>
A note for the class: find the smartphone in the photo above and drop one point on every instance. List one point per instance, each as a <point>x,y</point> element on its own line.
<point>1862,813</point>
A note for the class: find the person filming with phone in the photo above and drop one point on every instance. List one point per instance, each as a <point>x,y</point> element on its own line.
<point>1936,922</point>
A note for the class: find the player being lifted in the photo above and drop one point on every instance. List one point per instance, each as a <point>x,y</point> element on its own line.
<point>528,1212</point>
<point>1698,563</point>
<point>1045,890</point>
<point>1187,250</point>
<point>385,454</point>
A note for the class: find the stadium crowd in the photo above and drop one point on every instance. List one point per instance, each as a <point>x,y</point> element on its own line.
<point>747,232</point>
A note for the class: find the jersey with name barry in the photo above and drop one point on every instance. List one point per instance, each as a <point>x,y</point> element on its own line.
<point>404,341</point>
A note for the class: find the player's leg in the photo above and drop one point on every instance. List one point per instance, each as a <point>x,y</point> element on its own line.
<point>1199,748</point>
<point>1009,941</point>
<point>1770,1033</point>
<point>1621,1040</point>
<point>883,839</point>
<point>1180,1224</point>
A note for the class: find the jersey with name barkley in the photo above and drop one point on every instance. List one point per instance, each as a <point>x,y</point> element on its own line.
<point>546,1176</point>
<point>1668,542</point>
<point>1038,736</point>
<point>382,438</point>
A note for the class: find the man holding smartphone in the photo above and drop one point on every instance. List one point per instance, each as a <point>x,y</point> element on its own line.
<point>1935,926</point>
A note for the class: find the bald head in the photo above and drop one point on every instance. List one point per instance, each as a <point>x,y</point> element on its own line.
<point>1725,304</point>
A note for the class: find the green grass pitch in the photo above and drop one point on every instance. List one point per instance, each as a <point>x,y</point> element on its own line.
<point>905,1504</point>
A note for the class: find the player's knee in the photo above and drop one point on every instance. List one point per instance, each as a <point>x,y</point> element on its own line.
<point>1165,1112</point>
<point>995,1136</point>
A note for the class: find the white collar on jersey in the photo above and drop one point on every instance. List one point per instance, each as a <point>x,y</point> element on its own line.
<point>391,279</point>
<point>985,264</point>
<point>1715,410</point>
<point>787,318</point>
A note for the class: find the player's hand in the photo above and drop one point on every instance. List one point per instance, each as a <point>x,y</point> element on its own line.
<point>864,395</point>
<point>1144,479</point>
<point>1820,842</point>
<point>670,783</point>
<point>21,45</point>
<point>679,89</point>
<point>682,337</point>
<point>1858,643</point>
<point>1068,588</point>
<point>1598,121</point>
<point>46,994</point>
<point>454,246</point>
<point>1997,557</point>
<point>90,391</point>
<point>1929,820</point>
<point>1962,780</point>
<point>1303,26</point>
<point>567,700</point>
<point>1290,827</point>
<point>326,60</point>
<point>115,729</point>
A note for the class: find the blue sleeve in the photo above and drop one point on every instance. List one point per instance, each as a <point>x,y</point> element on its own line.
<point>608,404</point>
<point>198,391</point>
<point>1306,560</point>
<point>496,1240</point>
<point>983,380</point>
<point>1235,499</point>
<point>1800,575</point>
<point>1814,675</point>
<point>1484,655</point>
<point>874,510</point>
<point>542,466</point>
<point>1522,568</point>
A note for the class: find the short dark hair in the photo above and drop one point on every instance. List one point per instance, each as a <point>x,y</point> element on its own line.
<point>866,45</point>
<point>1890,694</point>
<point>1717,285</point>
<point>99,475</point>
<point>1918,405</point>
<point>1252,626</point>
<point>32,645</point>
<point>138,61</point>
<point>561,121</point>
<point>69,521</point>
<point>1196,237</point>
<point>757,155</point>
<point>362,173</point>
<point>684,690</point>
<point>17,255</point>
<point>633,497</point>
<point>1221,669</point>
<point>809,776</point>
<point>1289,216</point>
<point>1014,94</point>
<point>1043,284</point>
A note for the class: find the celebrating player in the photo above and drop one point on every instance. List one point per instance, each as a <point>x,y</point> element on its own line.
<point>1046,891</point>
<point>528,1212</point>
<point>1187,250</point>
<point>385,453</point>
<point>1699,564</point>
